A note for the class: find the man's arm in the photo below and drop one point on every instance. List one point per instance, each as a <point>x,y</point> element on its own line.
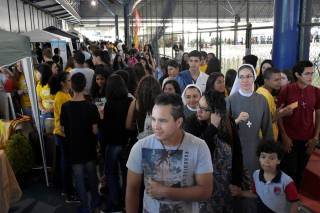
<point>287,142</point>
<point>237,192</point>
<point>133,191</point>
<point>201,191</point>
<point>317,124</point>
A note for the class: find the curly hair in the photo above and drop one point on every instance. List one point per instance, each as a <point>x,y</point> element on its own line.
<point>147,91</point>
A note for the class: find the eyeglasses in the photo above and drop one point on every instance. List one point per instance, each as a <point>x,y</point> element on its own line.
<point>242,77</point>
<point>308,73</point>
<point>204,109</point>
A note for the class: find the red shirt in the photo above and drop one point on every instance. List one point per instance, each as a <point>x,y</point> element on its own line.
<point>300,125</point>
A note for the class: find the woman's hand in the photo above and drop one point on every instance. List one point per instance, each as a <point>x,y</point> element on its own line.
<point>215,119</point>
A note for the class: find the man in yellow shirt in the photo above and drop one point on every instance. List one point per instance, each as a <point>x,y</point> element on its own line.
<point>272,84</point>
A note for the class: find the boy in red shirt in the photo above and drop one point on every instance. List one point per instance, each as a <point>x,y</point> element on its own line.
<point>299,131</point>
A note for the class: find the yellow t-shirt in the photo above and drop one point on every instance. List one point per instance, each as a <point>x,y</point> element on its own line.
<point>47,100</point>
<point>68,69</point>
<point>22,85</point>
<point>60,98</point>
<point>272,107</point>
<point>203,68</point>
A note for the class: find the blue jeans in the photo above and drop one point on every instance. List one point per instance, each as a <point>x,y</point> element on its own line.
<point>43,117</point>
<point>112,163</point>
<point>65,165</point>
<point>81,171</point>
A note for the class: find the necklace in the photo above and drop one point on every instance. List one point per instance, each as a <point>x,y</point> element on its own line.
<point>166,153</point>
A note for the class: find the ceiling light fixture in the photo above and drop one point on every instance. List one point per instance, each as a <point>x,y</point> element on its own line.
<point>93,3</point>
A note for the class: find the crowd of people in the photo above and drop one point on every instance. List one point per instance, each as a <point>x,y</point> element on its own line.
<point>174,136</point>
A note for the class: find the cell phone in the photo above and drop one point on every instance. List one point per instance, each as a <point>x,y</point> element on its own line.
<point>293,105</point>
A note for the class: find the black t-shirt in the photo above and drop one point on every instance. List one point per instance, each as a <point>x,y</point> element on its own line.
<point>77,118</point>
<point>57,59</point>
<point>114,121</point>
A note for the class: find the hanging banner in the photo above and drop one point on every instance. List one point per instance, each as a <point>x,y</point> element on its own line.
<point>136,28</point>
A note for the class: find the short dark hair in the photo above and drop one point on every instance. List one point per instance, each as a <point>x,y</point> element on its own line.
<point>79,57</point>
<point>78,82</point>
<point>269,71</point>
<point>270,147</point>
<point>195,53</point>
<point>173,63</point>
<point>56,50</point>
<point>90,63</point>
<point>174,100</point>
<point>299,67</point>
<point>251,59</point>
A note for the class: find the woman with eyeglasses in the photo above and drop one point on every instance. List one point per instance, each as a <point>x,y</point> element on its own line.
<point>213,124</point>
<point>251,113</point>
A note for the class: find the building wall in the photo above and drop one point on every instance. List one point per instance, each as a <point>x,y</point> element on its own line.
<point>17,16</point>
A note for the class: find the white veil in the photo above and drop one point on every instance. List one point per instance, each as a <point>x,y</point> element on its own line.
<point>236,84</point>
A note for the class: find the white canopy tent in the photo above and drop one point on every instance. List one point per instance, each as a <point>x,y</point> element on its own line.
<point>15,47</point>
<point>59,41</point>
<point>44,36</point>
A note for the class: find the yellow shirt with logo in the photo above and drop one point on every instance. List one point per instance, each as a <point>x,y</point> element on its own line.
<point>22,85</point>
<point>46,98</point>
<point>272,107</point>
<point>60,98</point>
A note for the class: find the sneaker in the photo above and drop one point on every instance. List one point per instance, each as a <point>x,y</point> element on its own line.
<point>71,199</point>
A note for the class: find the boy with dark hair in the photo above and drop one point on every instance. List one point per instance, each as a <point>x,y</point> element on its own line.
<point>250,59</point>
<point>79,60</point>
<point>300,131</point>
<point>275,190</point>
<point>79,120</point>
<point>193,75</point>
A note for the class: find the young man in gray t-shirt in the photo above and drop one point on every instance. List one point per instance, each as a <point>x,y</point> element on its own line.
<point>176,166</point>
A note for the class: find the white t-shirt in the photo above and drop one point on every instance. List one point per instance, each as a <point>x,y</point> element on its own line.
<point>88,73</point>
<point>148,157</point>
